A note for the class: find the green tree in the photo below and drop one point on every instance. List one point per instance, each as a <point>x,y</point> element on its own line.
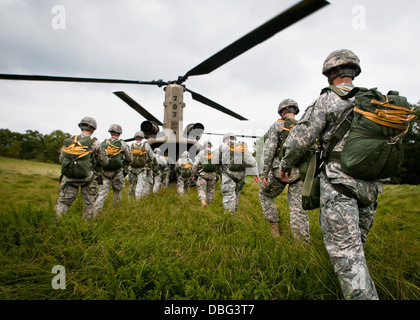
<point>52,145</point>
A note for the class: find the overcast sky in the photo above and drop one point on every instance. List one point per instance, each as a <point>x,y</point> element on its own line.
<point>162,39</point>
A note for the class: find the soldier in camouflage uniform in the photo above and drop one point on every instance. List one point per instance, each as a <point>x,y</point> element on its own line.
<point>69,188</point>
<point>233,181</point>
<point>162,170</point>
<point>203,168</point>
<point>182,164</point>
<point>345,223</point>
<point>271,184</point>
<point>140,177</point>
<point>113,177</point>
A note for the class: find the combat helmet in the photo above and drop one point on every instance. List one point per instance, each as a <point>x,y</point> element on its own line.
<point>286,103</point>
<point>205,143</point>
<point>229,134</point>
<point>115,128</point>
<point>139,134</point>
<point>344,61</point>
<point>88,122</point>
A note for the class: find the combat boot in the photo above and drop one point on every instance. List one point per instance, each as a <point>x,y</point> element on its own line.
<point>275,229</point>
<point>203,203</point>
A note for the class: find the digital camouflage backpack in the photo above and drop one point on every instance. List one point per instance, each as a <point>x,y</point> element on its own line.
<point>77,161</point>
<point>377,125</point>
<point>114,155</point>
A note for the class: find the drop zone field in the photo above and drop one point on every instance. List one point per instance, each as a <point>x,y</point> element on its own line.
<point>168,247</point>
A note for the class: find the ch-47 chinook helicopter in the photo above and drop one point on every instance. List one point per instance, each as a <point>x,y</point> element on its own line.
<point>172,140</point>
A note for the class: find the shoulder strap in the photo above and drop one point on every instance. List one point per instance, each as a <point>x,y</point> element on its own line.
<point>337,90</point>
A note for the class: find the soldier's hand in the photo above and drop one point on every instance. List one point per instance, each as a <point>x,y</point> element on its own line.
<point>265,182</point>
<point>256,178</point>
<point>284,176</point>
<point>194,179</point>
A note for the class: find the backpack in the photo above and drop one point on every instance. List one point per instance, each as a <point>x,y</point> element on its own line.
<point>374,148</point>
<point>237,157</point>
<point>139,156</point>
<point>207,163</point>
<point>77,161</point>
<point>186,169</point>
<point>288,124</point>
<point>114,155</point>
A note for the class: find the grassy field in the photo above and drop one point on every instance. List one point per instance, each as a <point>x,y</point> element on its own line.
<point>168,247</point>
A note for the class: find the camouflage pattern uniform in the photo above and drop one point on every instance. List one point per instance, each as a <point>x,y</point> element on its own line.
<point>183,184</point>
<point>233,181</point>
<point>171,169</point>
<point>299,221</point>
<point>141,179</point>
<point>344,223</point>
<point>69,187</point>
<point>162,171</point>
<point>206,181</point>
<point>114,179</point>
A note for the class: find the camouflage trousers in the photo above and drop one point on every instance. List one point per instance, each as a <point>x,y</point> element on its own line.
<point>230,187</point>
<point>116,180</point>
<point>183,185</point>
<point>206,184</point>
<point>157,182</point>
<point>345,226</point>
<point>68,193</point>
<point>140,183</point>
<point>299,221</point>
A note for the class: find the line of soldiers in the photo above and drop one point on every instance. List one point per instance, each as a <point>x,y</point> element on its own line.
<point>345,223</point>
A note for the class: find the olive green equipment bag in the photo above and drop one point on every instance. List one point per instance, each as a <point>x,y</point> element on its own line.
<point>374,147</point>
<point>77,157</point>
<point>113,151</point>
<point>207,162</point>
<point>286,125</point>
<point>139,156</point>
<point>309,174</point>
<point>237,157</point>
<point>186,170</point>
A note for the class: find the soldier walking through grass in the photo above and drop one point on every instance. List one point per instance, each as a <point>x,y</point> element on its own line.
<point>183,170</point>
<point>140,169</point>
<point>348,204</point>
<point>161,170</point>
<point>204,173</point>
<point>271,184</point>
<point>113,174</point>
<point>79,157</point>
<point>234,158</point>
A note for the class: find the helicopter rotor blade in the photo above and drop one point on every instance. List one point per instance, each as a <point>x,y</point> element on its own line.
<point>258,35</point>
<point>215,105</point>
<point>136,106</point>
<point>72,79</point>
<point>238,135</point>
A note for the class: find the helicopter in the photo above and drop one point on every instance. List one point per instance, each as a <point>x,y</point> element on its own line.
<point>173,140</point>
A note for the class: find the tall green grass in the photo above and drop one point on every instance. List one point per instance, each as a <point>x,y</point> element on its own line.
<point>169,247</point>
